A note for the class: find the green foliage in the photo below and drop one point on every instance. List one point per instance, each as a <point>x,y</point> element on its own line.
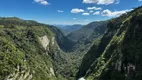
<point>10,58</point>
<point>20,46</point>
<point>121,57</point>
<point>23,37</point>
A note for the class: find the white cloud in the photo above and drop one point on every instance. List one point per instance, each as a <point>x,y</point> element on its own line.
<point>105,2</point>
<point>76,10</point>
<point>96,13</point>
<point>60,11</point>
<point>117,2</point>
<point>74,18</point>
<point>85,14</point>
<point>140,0</point>
<point>43,2</point>
<point>37,0</point>
<point>115,13</point>
<point>94,8</point>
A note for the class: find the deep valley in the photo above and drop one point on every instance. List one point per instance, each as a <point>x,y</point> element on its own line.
<point>101,50</point>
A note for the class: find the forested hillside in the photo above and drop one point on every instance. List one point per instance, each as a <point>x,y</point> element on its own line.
<point>88,31</point>
<point>30,50</point>
<point>84,37</point>
<point>25,50</point>
<point>67,29</point>
<point>103,50</point>
<point>117,56</point>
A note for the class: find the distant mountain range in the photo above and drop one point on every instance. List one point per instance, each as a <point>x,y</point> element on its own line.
<point>95,29</point>
<point>66,29</point>
<point>104,50</point>
<point>85,36</point>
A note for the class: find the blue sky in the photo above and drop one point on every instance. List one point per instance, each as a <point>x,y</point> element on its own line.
<point>66,11</point>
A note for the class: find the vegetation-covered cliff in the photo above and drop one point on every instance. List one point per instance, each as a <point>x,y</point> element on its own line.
<point>84,37</point>
<point>33,51</point>
<point>117,56</point>
<point>27,50</point>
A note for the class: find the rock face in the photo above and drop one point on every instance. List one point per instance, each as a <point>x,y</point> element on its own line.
<point>81,79</point>
<point>53,40</point>
<point>45,41</point>
<point>52,72</point>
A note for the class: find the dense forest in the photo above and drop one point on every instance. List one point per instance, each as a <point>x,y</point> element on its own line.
<point>101,50</point>
<point>117,56</point>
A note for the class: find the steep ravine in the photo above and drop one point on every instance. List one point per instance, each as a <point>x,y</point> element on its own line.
<point>33,51</point>
<point>27,50</point>
<point>120,57</point>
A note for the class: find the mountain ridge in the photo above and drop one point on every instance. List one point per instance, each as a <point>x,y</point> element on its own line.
<point>116,59</point>
<point>34,51</point>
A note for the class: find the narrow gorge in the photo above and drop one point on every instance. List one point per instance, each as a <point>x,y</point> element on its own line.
<point>100,50</point>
